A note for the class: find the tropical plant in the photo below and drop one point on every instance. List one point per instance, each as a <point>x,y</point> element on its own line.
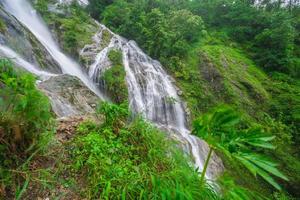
<point>114,115</point>
<point>24,111</point>
<point>136,162</point>
<point>25,127</point>
<point>219,129</point>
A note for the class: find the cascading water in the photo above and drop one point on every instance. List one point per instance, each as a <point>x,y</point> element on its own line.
<point>18,60</point>
<point>24,12</point>
<point>151,92</point>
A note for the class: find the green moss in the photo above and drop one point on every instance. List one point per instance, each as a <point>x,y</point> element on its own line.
<point>115,78</point>
<point>216,74</point>
<point>106,37</point>
<point>115,57</point>
<point>2,26</point>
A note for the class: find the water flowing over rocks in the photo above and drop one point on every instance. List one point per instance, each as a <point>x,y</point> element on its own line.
<point>152,92</point>
<point>67,2</point>
<point>23,12</point>
<point>19,39</point>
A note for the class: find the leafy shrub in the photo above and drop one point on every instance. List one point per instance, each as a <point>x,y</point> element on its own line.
<point>25,120</point>
<point>161,30</point>
<point>115,57</point>
<point>115,78</point>
<point>219,129</point>
<point>138,161</point>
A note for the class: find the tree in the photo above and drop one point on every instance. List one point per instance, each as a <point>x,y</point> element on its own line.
<point>156,32</point>
<point>184,28</point>
<point>96,7</point>
<point>116,16</point>
<point>218,129</point>
<point>275,44</point>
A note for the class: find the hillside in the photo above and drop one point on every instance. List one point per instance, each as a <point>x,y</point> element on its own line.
<point>183,79</point>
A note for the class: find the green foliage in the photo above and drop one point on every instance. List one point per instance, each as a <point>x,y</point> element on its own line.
<point>286,102</point>
<point>162,32</point>
<point>114,115</point>
<point>25,123</point>
<point>232,191</point>
<point>22,105</point>
<point>116,57</point>
<point>42,6</point>
<point>269,37</point>
<point>274,45</point>
<point>2,26</point>
<point>137,161</point>
<point>74,28</point>
<point>96,7</point>
<point>214,69</point>
<point>115,78</point>
<point>219,130</point>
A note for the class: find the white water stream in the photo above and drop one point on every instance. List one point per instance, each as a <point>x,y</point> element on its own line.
<point>18,60</point>
<point>24,12</point>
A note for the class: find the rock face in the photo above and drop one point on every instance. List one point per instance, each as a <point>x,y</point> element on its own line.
<point>81,2</point>
<point>18,38</point>
<point>69,96</point>
<point>215,166</point>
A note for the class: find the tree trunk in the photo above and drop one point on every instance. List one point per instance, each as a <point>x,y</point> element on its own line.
<point>205,166</point>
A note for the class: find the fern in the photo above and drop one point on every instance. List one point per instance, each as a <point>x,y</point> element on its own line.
<point>219,130</point>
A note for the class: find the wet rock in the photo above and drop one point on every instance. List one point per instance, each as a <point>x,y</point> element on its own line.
<point>215,166</point>
<point>67,2</point>
<point>22,41</point>
<point>211,73</point>
<point>69,96</point>
<point>187,111</point>
<point>179,93</point>
<point>101,41</point>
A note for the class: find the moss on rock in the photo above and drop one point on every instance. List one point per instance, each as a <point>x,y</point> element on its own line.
<point>216,74</point>
<point>2,26</point>
<point>115,78</point>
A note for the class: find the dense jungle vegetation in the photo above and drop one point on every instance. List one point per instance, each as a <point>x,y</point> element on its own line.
<point>237,63</point>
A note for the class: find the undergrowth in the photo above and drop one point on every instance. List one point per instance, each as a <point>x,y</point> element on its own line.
<point>132,161</point>
<point>26,127</point>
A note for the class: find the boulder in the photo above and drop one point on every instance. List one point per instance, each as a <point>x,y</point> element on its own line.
<point>69,96</point>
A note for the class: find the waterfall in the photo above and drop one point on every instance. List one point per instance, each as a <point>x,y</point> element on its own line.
<point>151,92</point>
<point>19,61</point>
<point>24,12</point>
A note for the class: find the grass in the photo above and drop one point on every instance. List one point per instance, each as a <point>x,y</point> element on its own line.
<point>213,74</point>
<point>115,159</point>
<point>26,127</point>
<point>131,160</point>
